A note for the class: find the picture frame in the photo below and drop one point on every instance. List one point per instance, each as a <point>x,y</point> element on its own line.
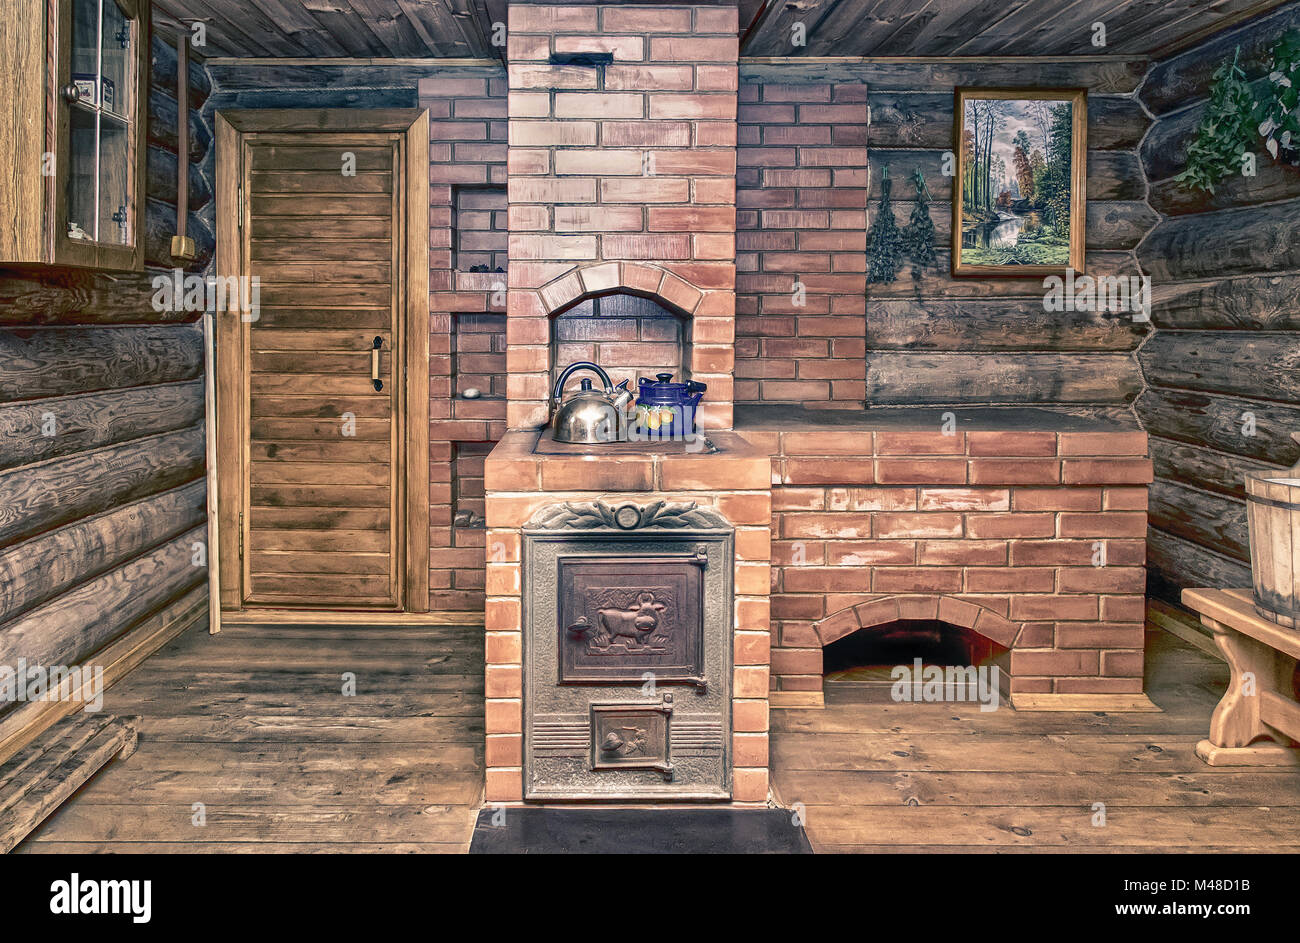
<point>1008,141</point>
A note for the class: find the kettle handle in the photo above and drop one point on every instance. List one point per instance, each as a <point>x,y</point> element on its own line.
<point>575,367</point>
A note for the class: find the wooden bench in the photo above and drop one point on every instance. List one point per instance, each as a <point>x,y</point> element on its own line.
<point>41,776</point>
<point>1260,702</point>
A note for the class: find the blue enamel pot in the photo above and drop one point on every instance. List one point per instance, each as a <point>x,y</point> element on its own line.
<point>664,409</point>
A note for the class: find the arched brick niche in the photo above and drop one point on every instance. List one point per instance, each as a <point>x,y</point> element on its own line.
<point>707,315</point>
<point>958,612</point>
<point>887,610</point>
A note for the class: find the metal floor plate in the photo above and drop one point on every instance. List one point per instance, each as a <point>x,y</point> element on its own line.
<point>638,831</point>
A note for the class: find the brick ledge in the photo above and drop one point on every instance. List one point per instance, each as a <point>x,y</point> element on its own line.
<point>1111,703</point>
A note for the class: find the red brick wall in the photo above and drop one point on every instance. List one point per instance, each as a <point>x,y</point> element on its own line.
<point>467,152</point>
<point>628,336</point>
<point>801,199</point>
<point>480,225</point>
<point>1007,521</point>
<point>631,162</point>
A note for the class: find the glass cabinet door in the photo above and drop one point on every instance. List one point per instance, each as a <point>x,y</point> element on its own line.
<point>100,203</point>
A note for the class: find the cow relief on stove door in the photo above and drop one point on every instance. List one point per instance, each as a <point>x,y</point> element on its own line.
<point>616,633</point>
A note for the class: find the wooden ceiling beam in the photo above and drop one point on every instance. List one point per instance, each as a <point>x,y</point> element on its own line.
<point>1183,42</point>
<point>873,28</point>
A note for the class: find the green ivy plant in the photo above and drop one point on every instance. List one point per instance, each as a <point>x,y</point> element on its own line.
<point>1279,107</point>
<point>1226,132</point>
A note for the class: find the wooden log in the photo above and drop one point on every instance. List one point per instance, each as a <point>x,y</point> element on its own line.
<point>1273,181</point>
<point>75,624</point>
<point>965,324</point>
<point>36,498</point>
<point>940,216</point>
<point>1164,150</point>
<point>1118,224</point>
<point>1244,241</point>
<point>160,226</point>
<point>233,76</point>
<point>41,568</point>
<point>1177,563</point>
<point>910,119</point>
<point>93,420</point>
<point>1164,156</point>
<point>938,281</point>
<point>902,161</point>
<point>160,181</point>
<point>1101,76</point>
<point>31,297</point>
<point>1112,225</point>
<point>1250,303</point>
<point>1214,521</point>
<point>51,362</point>
<point>22,724</point>
<point>1244,363</point>
<point>1175,82</point>
<point>39,780</point>
<point>923,119</point>
<point>1115,123</point>
<point>996,378</point>
<point>1201,467</point>
<point>1115,175</point>
<point>163,61</point>
<point>162,127</point>
<point>1250,428</point>
<point>324,97</point>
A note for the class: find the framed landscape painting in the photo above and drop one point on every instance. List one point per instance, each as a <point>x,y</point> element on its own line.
<point>1018,194</point>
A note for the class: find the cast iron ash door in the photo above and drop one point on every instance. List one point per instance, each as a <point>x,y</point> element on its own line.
<point>627,653</point>
<point>624,616</point>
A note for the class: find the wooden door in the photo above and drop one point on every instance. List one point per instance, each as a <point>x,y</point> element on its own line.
<point>324,510</point>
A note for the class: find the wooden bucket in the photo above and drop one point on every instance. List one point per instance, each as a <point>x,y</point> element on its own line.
<point>1273,512</point>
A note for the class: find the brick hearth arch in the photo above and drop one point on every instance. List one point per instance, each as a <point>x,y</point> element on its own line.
<point>709,311</point>
<point>949,609</point>
<point>634,278</point>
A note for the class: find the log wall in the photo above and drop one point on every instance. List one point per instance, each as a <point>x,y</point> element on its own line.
<point>805,198</point>
<point>102,490</point>
<point>1223,388</point>
<point>975,341</point>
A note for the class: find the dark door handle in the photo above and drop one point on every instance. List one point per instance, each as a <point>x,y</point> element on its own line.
<point>374,364</point>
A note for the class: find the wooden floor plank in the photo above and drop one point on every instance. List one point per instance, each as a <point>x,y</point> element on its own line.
<point>1155,828</point>
<point>871,776</point>
<point>84,821</point>
<point>235,848</point>
<point>254,724</point>
<point>970,789</point>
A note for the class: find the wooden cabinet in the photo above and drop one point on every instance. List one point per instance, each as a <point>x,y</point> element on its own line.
<point>74,75</point>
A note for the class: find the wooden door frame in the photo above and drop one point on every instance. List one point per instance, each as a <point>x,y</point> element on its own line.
<point>413,309</point>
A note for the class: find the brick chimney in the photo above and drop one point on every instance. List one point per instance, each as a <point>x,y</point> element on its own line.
<point>622,180</point>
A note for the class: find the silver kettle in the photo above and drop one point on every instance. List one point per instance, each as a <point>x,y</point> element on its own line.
<point>590,416</point>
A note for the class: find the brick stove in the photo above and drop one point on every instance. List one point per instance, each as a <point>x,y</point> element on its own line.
<point>816,522</point>
<point>621,186</point>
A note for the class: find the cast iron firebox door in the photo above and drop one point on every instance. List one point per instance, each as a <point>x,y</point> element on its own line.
<point>627,653</point>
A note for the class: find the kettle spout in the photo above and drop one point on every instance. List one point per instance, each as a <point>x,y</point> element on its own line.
<point>621,396</point>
